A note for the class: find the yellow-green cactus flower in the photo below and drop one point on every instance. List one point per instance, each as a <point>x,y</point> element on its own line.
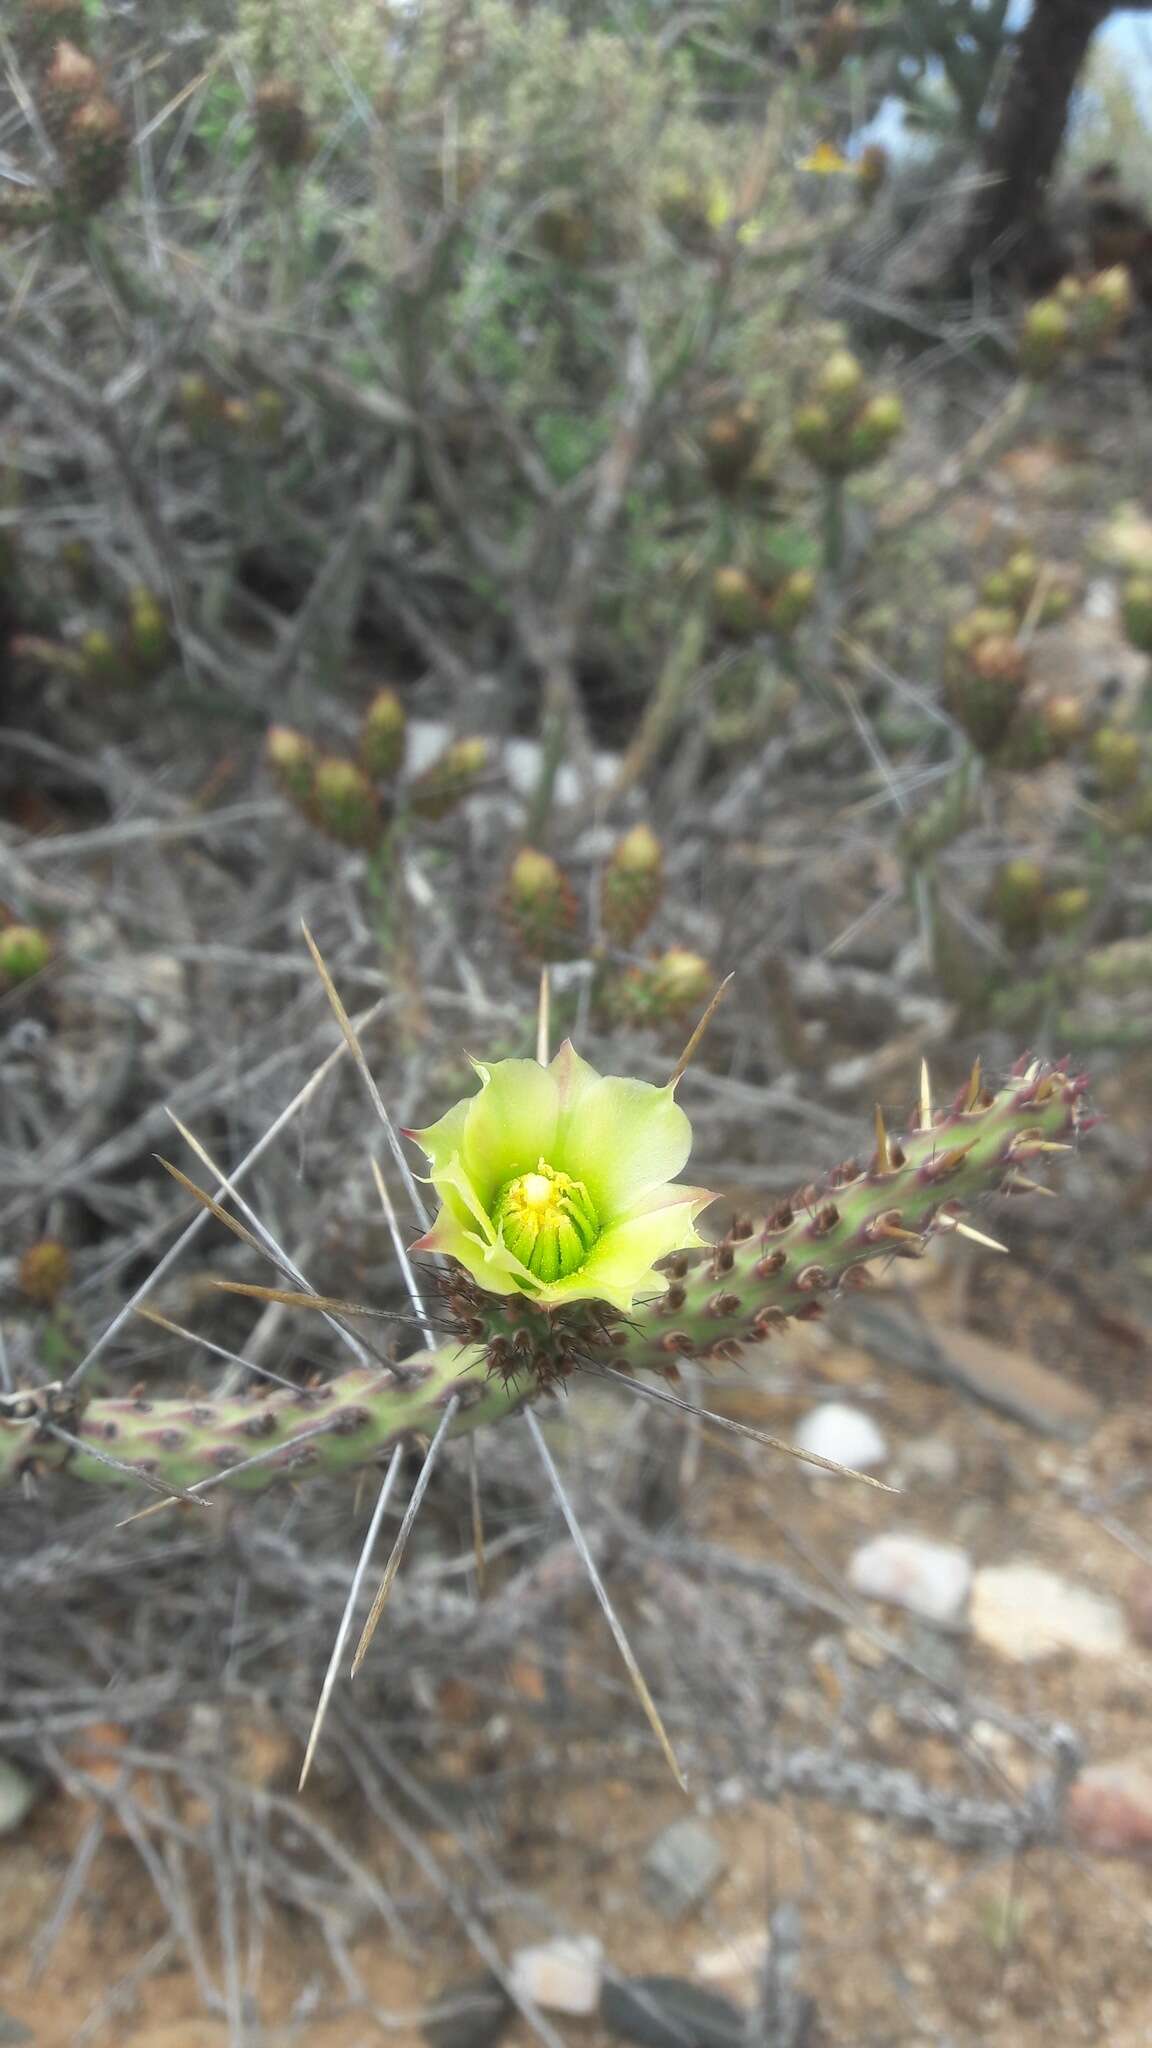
<point>557,1182</point>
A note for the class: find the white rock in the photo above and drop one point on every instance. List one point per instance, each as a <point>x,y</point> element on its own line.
<point>1025,1613</point>
<point>846,1435</point>
<point>930,1579</point>
<point>562,1975</point>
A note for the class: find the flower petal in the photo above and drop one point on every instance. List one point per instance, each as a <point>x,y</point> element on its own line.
<point>461,1200</point>
<point>487,1263</point>
<point>510,1125</point>
<point>622,1139</point>
<point>440,1140</point>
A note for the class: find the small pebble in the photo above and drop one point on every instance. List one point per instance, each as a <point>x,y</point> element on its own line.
<point>681,1867</point>
<point>1109,1808</point>
<point>1025,1613</point>
<point>18,1793</point>
<point>929,1579</point>
<point>669,2012</point>
<point>845,1434</point>
<point>564,1975</point>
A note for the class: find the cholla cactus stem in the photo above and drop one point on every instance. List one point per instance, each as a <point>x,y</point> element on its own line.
<point>790,1264</point>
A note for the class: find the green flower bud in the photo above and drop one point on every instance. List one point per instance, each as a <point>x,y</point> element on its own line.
<point>103,661</point>
<point>542,906</point>
<point>791,601</point>
<point>24,952</point>
<point>149,634</point>
<point>1117,757</point>
<point>874,429</point>
<point>815,435</point>
<point>1045,338</point>
<point>737,602</point>
<point>556,1183</point>
<point>448,780</point>
<point>839,385</point>
<point>292,759</point>
<point>1017,897</point>
<point>1065,908</point>
<point>344,802</point>
<point>383,736</point>
<point>631,885</point>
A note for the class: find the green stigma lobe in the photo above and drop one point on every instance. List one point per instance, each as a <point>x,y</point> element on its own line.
<point>547,1221</point>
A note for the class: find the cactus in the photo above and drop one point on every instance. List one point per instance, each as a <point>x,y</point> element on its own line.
<point>70,79</point>
<point>1046,338</point>
<point>282,128</point>
<point>1117,757</point>
<point>292,758</point>
<point>449,779</point>
<point>790,1264</point>
<point>95,151</point>
<point>383,737</point>
<point>24,953</point>
<point>631,886</point>
<point>845,427</point>
<point>541,906</point>
<point>729,444</point>
<point>149,634</point>
<point>343,802</point>
<point>42,24</point>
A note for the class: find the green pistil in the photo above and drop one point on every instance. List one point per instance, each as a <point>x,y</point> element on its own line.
<point>547,1220</point>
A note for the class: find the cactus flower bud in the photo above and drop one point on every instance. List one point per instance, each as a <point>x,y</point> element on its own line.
<point>1045,338</point>
<point>383,736</point>
<point>95,151</point>
<point>815,435</point>
<point>984,693</point>
<point>282,127</point>
<point>343,801</point>
<point>839,385</point>
<point>1017,898</point>
<point>1105,305</point>
<point>449,779</point>
<point>791,601</point>
<point>44,1271</point>
<point>149,634</point>
<point>875,427</point>
<point>70,79</point>
<point>1065,908</point>
<point>631,885</point>
<point>292,759</point>
<point>679,983</point>
<point>103,661</point>
<point>541,905</point>
<point>1117,757</point>
<point>24,952</point>
<point>1065,720</point>
<point>729,443</point>
<point>1137,612</point>
<point>557,1183</point>
<point>737,602</point>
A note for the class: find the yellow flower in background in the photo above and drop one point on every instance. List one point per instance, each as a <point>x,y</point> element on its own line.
<point>557,1182</point>
<point>826,160</point>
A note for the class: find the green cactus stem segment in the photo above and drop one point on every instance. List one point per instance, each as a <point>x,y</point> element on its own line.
<point>548,1220</point>
<point>790,1264</point>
